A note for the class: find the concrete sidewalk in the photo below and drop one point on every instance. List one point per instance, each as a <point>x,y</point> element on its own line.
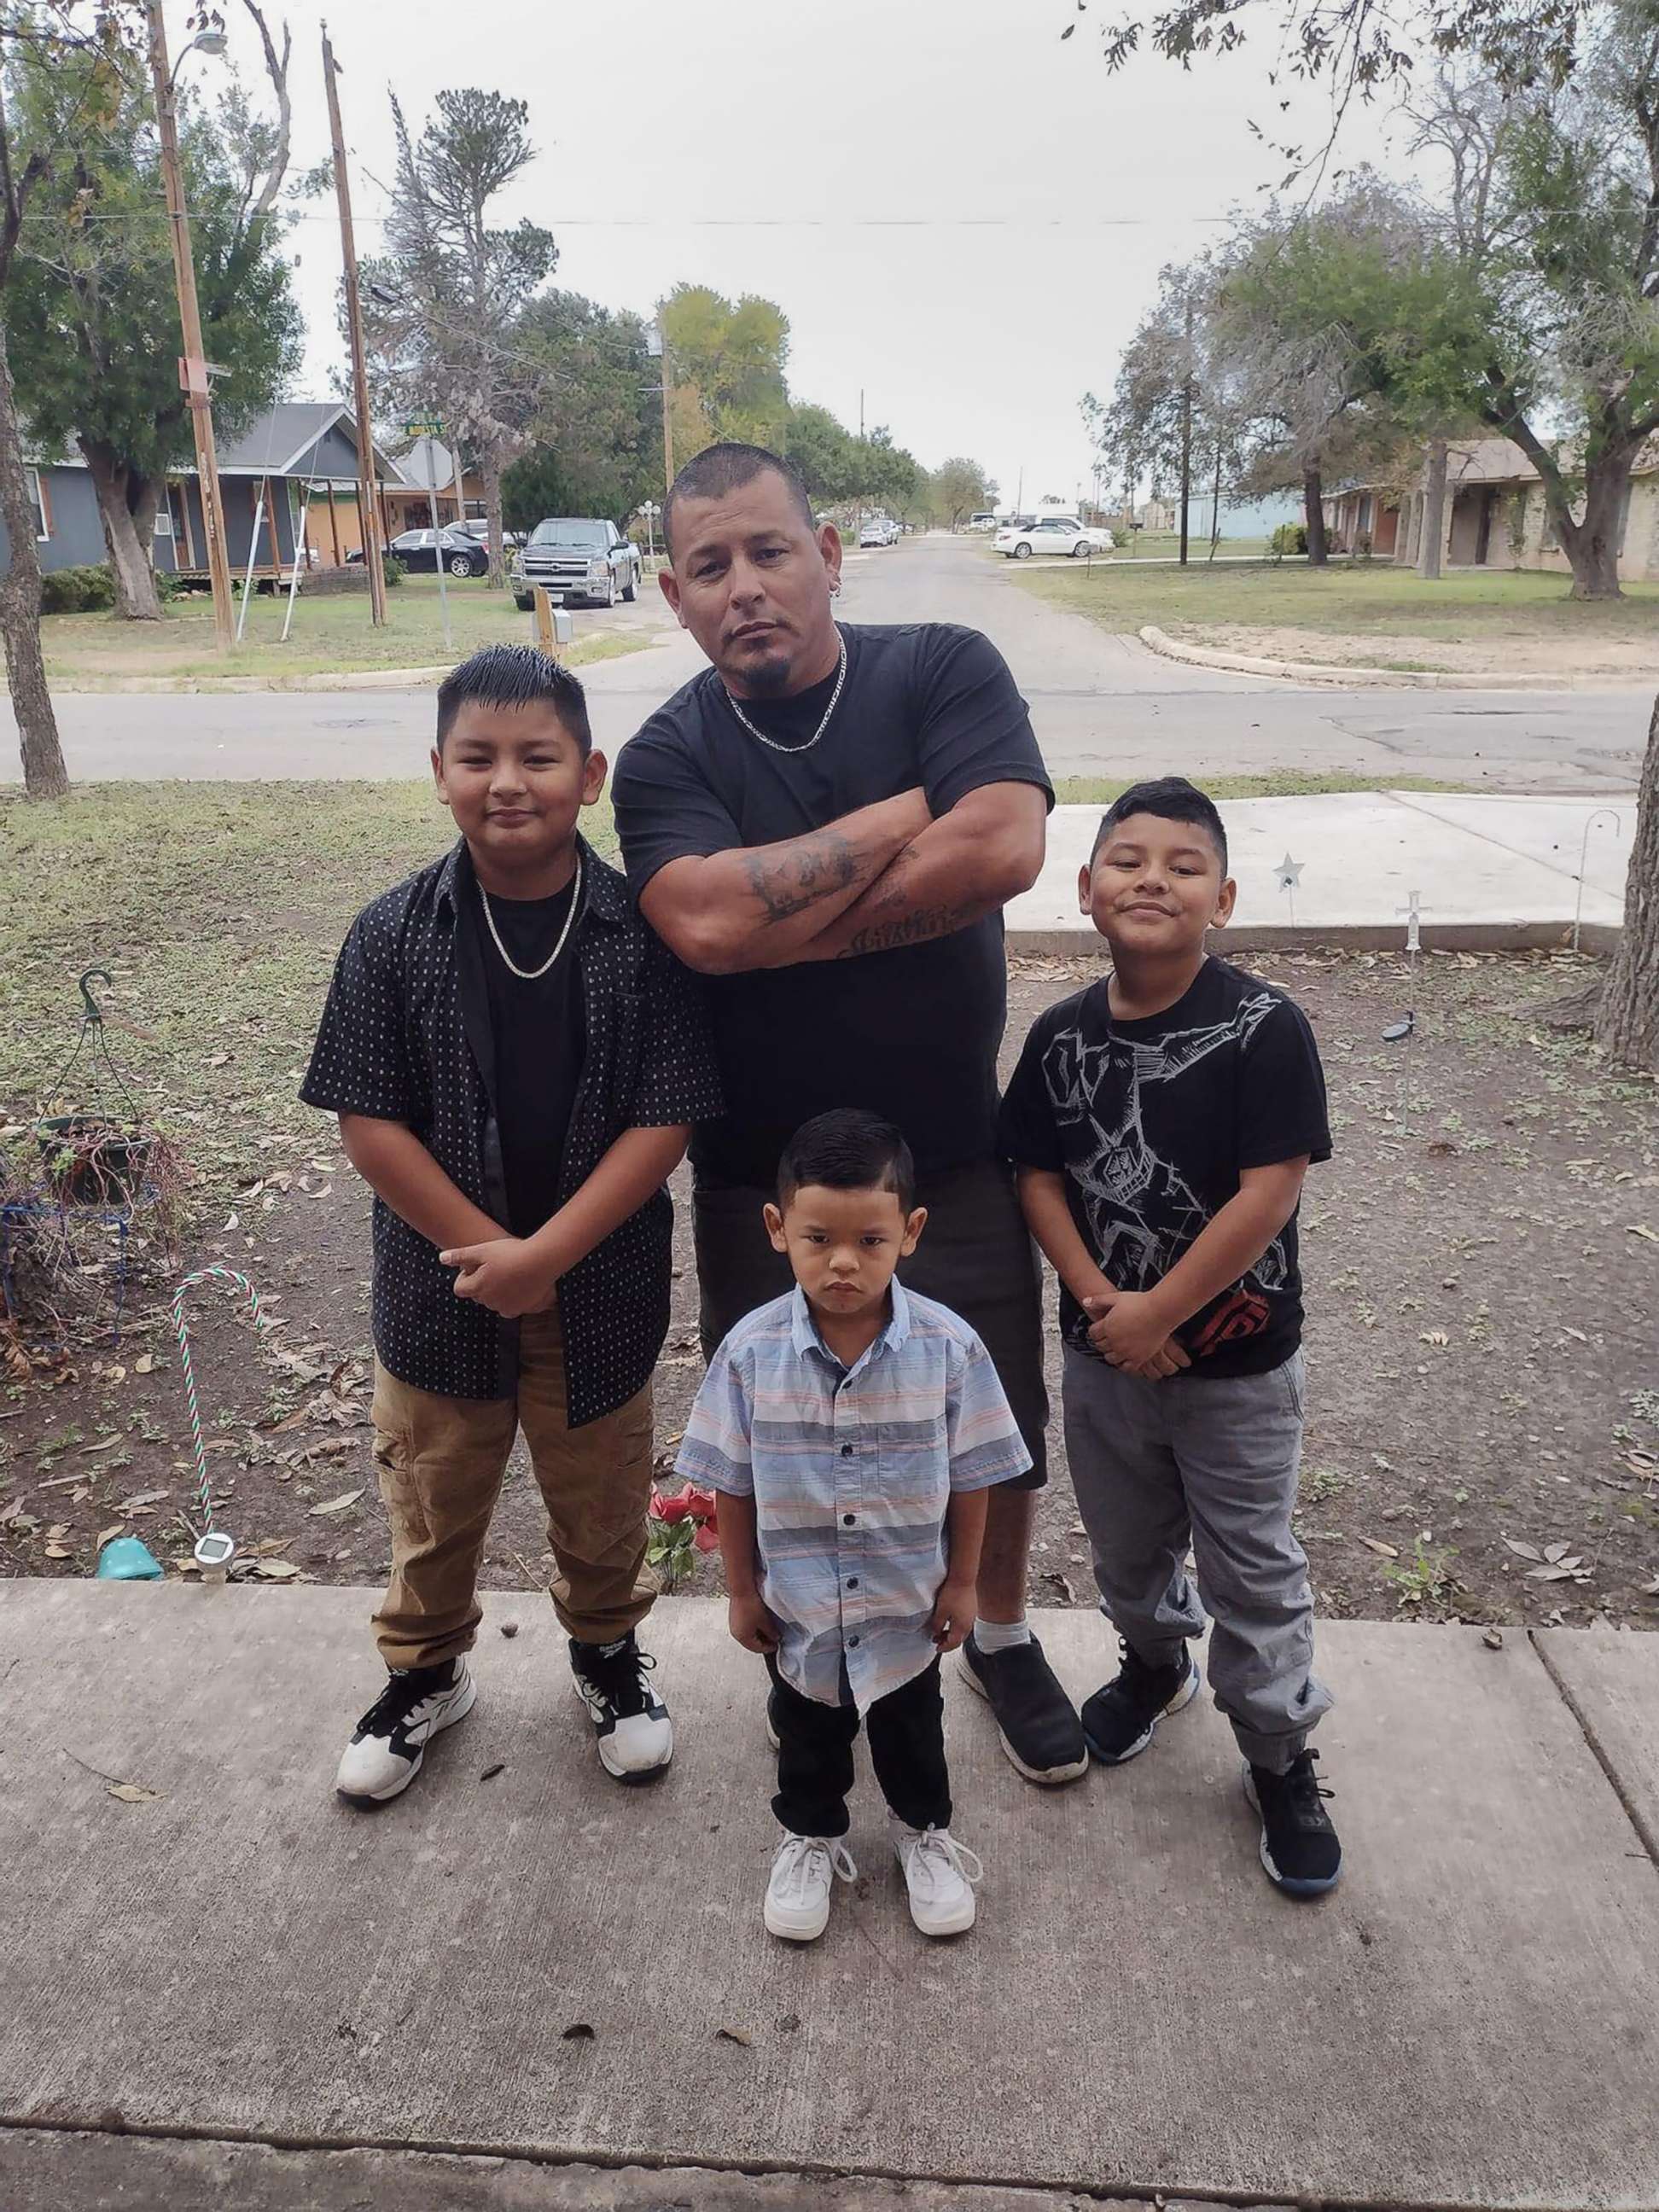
<point>522,1960</point>
<point>1492,872</point>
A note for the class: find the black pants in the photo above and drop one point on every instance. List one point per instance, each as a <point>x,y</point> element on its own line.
<point>975,1256</point>
<point>815,1754</point>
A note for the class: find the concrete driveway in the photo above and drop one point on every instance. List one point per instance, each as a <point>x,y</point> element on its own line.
<point>1102,706</point>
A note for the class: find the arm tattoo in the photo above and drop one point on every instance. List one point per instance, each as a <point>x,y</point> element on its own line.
<point>803,873</point>
<point>916,928</point>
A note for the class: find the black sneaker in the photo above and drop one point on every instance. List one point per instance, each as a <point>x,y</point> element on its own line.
<point>1038,1725</point>
<point>389,1743</point>
<point>1118,1721</point>
<point>631,1726</point>
<point>1299,1846</point>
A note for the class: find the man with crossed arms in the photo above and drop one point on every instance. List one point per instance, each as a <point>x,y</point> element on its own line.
<point>826,824</point>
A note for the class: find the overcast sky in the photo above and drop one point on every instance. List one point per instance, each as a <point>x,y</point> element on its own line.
<point>962,216</point>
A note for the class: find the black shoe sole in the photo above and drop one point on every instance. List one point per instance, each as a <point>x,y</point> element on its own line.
<point>1182,1698</point>
<point>1049,1778</point>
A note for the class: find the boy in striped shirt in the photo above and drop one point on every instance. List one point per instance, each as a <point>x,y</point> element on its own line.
<point>854,1429</point>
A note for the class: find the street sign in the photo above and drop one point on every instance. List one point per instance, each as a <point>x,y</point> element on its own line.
<point>425,427</point>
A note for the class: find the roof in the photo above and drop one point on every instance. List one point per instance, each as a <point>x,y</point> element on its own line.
<point>1494,461</point>
<point>282,440</point>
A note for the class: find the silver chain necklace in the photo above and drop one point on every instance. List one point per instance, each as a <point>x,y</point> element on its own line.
<point>834,702</point>
<point>533,975</point>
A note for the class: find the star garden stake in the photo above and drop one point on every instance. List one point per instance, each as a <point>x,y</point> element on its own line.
<point>1289,876</point>
<point>1414,914</point>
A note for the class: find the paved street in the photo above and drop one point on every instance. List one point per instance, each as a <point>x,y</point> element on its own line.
<point>1103,705</point>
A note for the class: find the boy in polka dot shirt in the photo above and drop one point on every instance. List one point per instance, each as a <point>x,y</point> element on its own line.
<point>516,1060</point>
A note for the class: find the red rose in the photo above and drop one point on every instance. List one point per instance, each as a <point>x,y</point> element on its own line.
<point>673,1504</point>
<point>708,1537</point>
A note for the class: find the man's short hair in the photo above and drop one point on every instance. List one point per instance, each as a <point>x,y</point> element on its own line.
<point>728,467</point>
<point>515,676</point>
<point>848,1149</point>
<point>1172,798</point>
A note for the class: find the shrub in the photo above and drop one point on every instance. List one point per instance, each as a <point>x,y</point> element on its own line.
<point>88,590</point>
<point>167,586</point>
<point>395,570</point>
<point>1289,538</point>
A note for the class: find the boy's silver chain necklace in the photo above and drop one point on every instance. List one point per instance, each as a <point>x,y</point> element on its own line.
<point>533,975</point>
<point>834,702</point>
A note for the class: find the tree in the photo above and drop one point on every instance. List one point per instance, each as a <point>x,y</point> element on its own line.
<point>1627,1009</point>
<point>444,305</point>
<point>98,44</point>
<point>825,451</point>
<point>94,365</point>
<point>961,487</point>
<point>1545,322</point>
<point>728,357</point>
<point>597,438</point>
<point>1357,47</point>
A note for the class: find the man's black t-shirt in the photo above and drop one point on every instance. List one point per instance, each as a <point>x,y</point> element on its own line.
<point>1152,1122</point>
<point>540,1040</point>
<point>911,1033</point>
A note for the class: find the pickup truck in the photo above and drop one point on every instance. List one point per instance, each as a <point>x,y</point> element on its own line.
<point>576,558</point>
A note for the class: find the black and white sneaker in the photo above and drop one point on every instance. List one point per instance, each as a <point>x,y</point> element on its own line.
<point>1036,1720</point>
<point>389,1743</point>
<point>1120,1718</point>
<point>1299,1846</point>
<point>631,1726</point>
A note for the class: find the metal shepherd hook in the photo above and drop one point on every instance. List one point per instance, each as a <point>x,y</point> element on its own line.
<point>214,1549</point>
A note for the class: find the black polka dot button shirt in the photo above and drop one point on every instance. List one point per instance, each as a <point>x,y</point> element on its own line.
<point>405,1036</point>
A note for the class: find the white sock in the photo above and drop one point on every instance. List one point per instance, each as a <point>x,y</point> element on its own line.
<point>1001,1635</point>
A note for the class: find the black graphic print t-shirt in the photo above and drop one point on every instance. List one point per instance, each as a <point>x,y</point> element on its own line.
<point>1152,1122</point>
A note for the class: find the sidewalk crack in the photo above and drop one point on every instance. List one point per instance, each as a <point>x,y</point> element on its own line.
<point>1634,1812</point>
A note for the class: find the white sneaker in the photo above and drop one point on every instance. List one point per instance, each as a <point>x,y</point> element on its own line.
<point>631,1727</point>
<point>389,1743</point>
<point>802,1874</point>
<point>939,1873</point>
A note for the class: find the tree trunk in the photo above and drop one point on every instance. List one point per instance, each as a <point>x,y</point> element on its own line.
<point>1215,507</point>
<point>45,775</point>
<point>1592,545</point>
<point>489,468</point>
<point>123,497</point>
<point>1627,1019</point>
<point>1432,528</point>
<point>1313,514</point>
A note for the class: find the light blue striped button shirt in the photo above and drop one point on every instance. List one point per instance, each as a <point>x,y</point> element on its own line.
<point>851,1470</point>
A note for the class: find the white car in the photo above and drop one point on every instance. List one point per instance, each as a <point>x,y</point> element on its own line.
<point>985,521</point>
<point>1052,533</point>
<point>879,530</point>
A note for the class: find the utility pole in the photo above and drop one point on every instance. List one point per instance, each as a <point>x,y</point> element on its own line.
<point>657,343</point>
<point>193,368</point>
<point>367,508</point>
<point>1187,431</point>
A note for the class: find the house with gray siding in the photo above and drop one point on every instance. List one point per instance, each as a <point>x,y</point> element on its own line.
<point>294,472</point>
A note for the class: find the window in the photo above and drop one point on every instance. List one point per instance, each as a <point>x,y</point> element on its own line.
<point>42,512</point>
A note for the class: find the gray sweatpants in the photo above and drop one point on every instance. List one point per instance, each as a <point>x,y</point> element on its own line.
<point>1212,1463</point>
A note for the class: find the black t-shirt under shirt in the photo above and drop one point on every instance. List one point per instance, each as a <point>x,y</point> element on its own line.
<point>1152,1122</point>
<point>540,1034</point>
<point>912,1032</point>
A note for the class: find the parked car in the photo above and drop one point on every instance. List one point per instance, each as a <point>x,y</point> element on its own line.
<point>1052,533</point>
<point>577,557</point>
<point>873,533</point>
<point>981,521</point>
<point>477,526</point>
<point>463,555</point>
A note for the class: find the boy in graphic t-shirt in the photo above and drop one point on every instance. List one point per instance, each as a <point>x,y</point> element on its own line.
<point>1161,1122</point>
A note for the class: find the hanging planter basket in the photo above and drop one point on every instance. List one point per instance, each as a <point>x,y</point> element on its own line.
<point>92,1161</point>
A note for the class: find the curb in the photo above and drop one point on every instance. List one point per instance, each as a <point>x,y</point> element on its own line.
<point>1390,679</point>
<point>361,679</point>
<point>1065,943</point>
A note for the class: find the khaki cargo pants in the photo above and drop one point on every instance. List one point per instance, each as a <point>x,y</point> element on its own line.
<point>440,1461</point>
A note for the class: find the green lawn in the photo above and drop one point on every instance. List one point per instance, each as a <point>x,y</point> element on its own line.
<point>1276,783</point>
<point>1363,603</point>
<point>330,636</point>
<point>217,909</point>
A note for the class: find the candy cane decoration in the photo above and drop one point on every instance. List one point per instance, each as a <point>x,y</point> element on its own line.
<point>215,1550</point>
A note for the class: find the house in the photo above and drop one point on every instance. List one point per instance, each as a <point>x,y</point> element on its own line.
<point>301,454</point>
<point>1495,514</point>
